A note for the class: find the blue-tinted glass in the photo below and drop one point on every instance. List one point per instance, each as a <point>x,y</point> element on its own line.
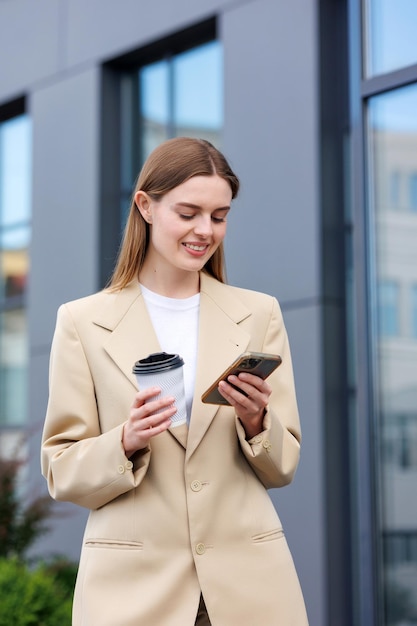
<point>414,311</point>
<point>388,307</point>
<point>155,106</point>
<point>15,204</point>
<point>13,367</point>
<point>15,171</point>
<point>392,135</point>
<point>179,95</point>
<point>391,35</point>
<point>198,96</point>
<point>154,92</point>
<point>413,191</point>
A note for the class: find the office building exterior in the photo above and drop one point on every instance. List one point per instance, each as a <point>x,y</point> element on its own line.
<point>315,105</point>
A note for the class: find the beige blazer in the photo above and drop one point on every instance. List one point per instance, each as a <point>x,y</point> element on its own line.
<point>191,513</point>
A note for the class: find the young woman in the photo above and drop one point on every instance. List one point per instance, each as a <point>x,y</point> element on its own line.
<point>181,529</point>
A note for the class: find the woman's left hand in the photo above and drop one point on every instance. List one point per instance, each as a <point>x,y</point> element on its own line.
<point>250,408</point>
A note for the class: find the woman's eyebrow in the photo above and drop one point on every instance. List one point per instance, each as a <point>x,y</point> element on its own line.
<point>190,205</point>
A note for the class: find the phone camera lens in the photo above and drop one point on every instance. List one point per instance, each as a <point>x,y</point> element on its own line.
<point>250,363</point>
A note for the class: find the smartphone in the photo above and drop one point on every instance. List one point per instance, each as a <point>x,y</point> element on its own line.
<point>257,363</point>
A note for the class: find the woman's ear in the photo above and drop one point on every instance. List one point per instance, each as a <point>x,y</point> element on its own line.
<point>143,202</point>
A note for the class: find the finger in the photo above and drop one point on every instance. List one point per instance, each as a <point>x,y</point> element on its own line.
<point>235,396</point>
<point>155,420</point>
<point>255,381</point>
<point>144,395</point>
<point>244,388</point>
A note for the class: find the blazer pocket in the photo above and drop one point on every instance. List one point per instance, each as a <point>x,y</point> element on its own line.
<point>270,535</point>
<point>114,544</point>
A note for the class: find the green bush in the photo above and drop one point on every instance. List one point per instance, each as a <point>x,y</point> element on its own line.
<point>32,597</point>
<point>20,523</point>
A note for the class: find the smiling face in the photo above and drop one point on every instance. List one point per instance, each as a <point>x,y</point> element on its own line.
<point>186,226</point>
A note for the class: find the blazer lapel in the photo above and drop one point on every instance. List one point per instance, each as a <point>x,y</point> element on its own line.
<point>132,336</point>
<point>221,341</point>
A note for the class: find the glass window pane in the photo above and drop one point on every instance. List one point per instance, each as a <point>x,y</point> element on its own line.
<point>392,134</point>
<point>15,171</point>
<point>198,97</point>
<point>388,307</point>
<point>154,93</point>
<point>13,367</point>
<point>179,95</point>
<point>391,35</point>
<point>14,268</point>
<point>413,191</point>
<point>414,311</point>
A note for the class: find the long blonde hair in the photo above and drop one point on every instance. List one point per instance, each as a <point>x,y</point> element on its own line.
<point>169,165</point>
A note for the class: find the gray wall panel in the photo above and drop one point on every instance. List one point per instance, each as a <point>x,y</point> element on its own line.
<point>271,138</point>
<point>100,29</point>
<point>64,251</point>
<point>301,505</point>
<point>31,43</point>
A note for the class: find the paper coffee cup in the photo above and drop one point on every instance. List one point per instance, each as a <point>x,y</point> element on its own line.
<point>165,371</point>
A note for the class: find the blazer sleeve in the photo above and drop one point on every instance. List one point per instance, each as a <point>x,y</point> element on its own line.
<point>274,453</point>
<point>81,464</point>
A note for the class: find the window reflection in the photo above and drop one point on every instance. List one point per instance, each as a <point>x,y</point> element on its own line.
<point>15,211</point>
<point>388,307</point>
<point>198,98</point>
<point>393,152</point>
<point>179,95</point>
<point>13,367</point>
<point>182,95</point>
<point>392,43</point>
<point>155,108</point>
<point>15,192</point>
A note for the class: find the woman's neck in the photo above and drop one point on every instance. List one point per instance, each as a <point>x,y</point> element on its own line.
<point>172,285</point>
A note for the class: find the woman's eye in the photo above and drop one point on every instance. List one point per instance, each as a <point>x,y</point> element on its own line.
<point>218,220</point>
<point>186,217</point>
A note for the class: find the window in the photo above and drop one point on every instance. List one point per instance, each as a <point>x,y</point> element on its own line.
<point>176,95</point>
<point>15,193</point>
<point>388,309</point>
<point>413,192</point>
<point>414,311</point>
<point>392,138</point>
<point>391,41</point>
<point>170,87</point>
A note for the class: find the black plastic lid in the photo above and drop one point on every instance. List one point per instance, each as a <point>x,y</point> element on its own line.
<point>157,362</point>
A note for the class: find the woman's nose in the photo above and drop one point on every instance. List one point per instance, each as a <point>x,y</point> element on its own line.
<point>203,226</point>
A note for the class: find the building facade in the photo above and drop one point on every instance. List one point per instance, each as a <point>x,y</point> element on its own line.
<point>314,102</point>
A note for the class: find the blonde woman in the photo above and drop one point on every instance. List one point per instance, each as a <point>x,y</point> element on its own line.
<point>181,529</point>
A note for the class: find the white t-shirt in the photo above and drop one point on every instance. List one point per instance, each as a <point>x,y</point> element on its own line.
<point>176,325</point>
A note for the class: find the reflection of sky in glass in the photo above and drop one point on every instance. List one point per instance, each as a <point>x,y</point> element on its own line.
<point>15,171</point>
<point>197,88</point>
<point>198,83</point>
<point>393,25</point>
<point>15,238</point>
<point>154,90</point>
<point>395,110</point>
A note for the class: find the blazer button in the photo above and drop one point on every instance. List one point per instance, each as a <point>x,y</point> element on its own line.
<point>267,444</point>
<point>129,465</point>
<point>200,548</point>
<point>196,485</point>
<point>121,469</point>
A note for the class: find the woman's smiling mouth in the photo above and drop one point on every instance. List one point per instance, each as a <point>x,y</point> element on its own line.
<point>195,247</point>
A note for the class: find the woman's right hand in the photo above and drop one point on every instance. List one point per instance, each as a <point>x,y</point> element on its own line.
<point>144,423</point>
